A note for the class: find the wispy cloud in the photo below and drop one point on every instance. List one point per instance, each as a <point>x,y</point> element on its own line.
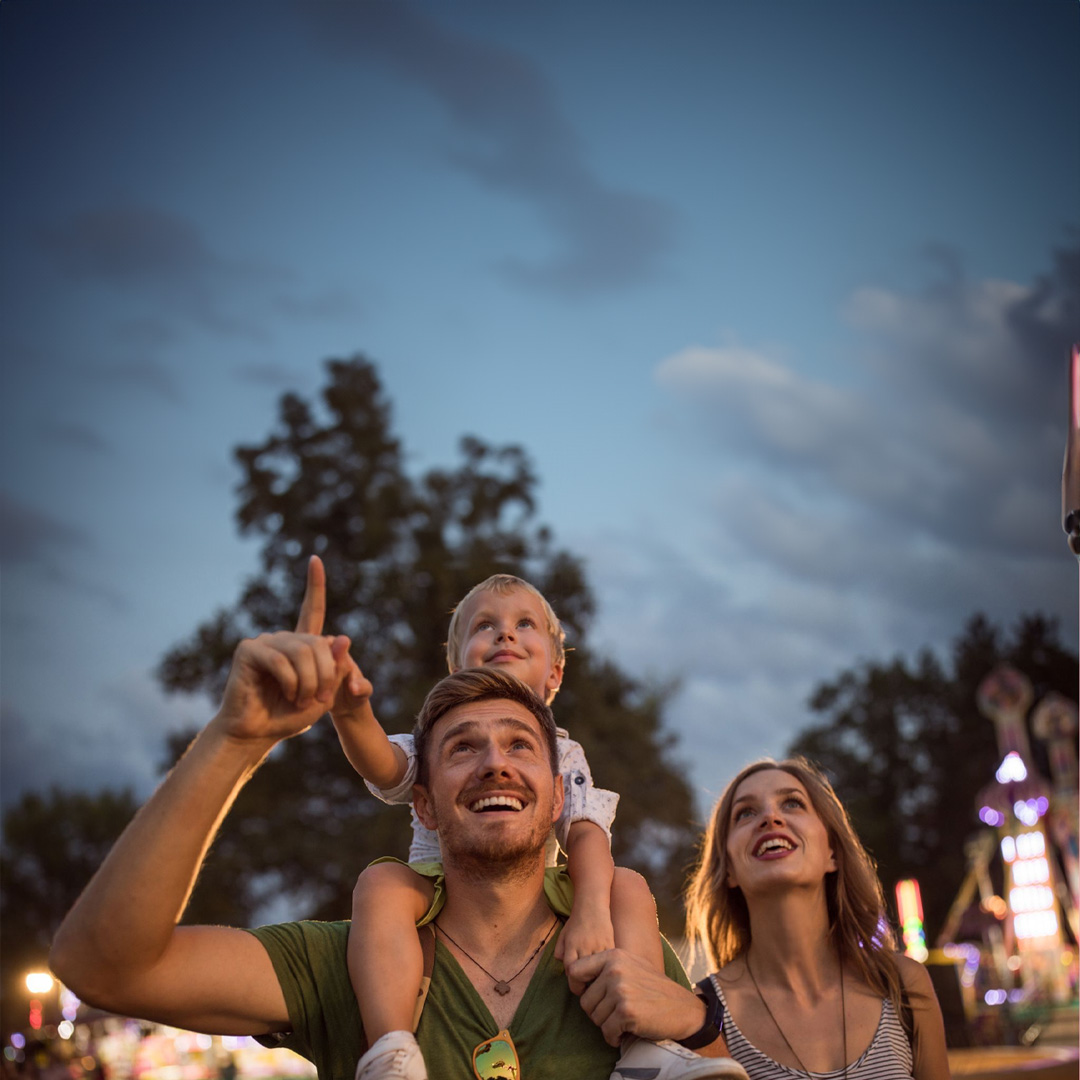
<point>269,374</point>
<point>129,720</point>
<point>151,252</point>
<point>950,422</point>
<point>31,535</point>
<point>39,540</point>
<point>514,137</point>
<point>853,517</point>
<point>149,376</point>
<point>77,436</point>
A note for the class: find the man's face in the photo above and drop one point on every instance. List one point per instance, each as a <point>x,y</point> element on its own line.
<point>490,794</point>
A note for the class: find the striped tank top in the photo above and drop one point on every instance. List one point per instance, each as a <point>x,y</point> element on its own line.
<point>888,1057</point>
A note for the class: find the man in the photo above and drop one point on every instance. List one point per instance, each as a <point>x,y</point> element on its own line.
<point>488,786</point>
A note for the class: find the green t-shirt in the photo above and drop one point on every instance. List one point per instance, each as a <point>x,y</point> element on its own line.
<point>554,1037</point>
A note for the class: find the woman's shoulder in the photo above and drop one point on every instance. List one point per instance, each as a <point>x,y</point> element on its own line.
<point>913,976</point>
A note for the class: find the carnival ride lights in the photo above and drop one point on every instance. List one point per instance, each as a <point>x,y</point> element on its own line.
<point>1031,899</point>
<point>970,956</point>
<point>1011,769</point>
<point>909,906</point>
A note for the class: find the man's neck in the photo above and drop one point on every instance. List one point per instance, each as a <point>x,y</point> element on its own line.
<point>496,924</point>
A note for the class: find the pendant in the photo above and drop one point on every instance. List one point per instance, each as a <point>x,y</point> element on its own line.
<point>502,988</point>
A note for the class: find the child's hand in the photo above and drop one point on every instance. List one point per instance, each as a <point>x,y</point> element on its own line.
<point>586,932</point>
<point>352,699</point>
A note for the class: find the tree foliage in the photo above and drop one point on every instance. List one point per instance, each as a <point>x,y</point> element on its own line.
<point>52,845</point>
<point>399,553</point>
<point>908,750</point>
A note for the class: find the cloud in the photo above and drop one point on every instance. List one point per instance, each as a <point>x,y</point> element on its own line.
<point>950,425</point>
<point>849,517</point>
<point>130,245</point>
<point>78,436</point>
<point>31,535</point>
<point>129,719</point>
<point>147,251</point>
<point>269,374</point>
<point>149,376</point>
<point>34,540</point>
<point>514,138</point>
<point>331,305</point>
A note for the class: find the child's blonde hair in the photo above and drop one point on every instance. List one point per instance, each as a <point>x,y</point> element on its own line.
<point>501,584</point>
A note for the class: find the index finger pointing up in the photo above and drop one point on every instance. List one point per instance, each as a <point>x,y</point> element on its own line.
<point>313,609</point>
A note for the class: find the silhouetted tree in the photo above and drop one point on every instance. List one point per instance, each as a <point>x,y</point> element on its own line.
<point>52,845</point>
<point>399,553</point>
<point>908,749</point>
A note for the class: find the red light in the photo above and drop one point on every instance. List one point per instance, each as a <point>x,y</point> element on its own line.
<point>35,1013</point>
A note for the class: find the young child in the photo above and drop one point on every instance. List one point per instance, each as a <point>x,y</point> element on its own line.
<point>502,623</point>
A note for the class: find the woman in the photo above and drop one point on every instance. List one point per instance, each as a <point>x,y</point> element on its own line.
<point>788,905</point>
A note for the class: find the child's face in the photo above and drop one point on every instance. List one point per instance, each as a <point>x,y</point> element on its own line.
<point>508,631</point>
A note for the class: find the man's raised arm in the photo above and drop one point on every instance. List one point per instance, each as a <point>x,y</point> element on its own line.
<point>119,947</point>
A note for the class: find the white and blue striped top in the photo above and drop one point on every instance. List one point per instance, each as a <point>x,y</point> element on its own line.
<point>888,1057</point>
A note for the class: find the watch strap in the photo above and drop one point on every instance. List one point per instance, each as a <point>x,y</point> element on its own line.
<point>713,1027</point>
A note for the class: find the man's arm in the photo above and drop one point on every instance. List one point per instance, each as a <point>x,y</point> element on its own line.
<point>119,947</point>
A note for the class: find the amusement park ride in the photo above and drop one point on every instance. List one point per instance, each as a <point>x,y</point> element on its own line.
<point>1029,948</point>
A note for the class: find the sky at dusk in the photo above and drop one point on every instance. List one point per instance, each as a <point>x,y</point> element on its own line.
<point>776,296</point>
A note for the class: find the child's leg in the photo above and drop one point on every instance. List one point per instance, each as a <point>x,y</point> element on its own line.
<point>386,963</point>
<point>633,917</point>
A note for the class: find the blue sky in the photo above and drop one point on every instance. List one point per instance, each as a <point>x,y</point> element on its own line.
<point>776,296</point>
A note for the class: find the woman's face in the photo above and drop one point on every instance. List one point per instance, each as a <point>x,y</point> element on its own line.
<point>775,837</point>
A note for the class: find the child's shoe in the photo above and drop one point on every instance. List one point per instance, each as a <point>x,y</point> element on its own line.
<point>667,1060</point>
<point>394,1056</point>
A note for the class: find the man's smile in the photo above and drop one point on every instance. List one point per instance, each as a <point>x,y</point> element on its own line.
<point>488,803</point>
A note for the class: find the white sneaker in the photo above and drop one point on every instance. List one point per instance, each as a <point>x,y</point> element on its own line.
<point>394,1056</point>
<point>667,1060</point>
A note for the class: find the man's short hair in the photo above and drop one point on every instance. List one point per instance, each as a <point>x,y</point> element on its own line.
<point>471,685</point>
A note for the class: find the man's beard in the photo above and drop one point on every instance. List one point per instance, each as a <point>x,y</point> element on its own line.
<point>503,858</point>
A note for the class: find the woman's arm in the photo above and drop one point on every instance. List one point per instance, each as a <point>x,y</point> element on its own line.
<point>931,1058</point>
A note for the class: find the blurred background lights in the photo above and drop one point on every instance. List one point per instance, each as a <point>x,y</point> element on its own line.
<point>1036,924</point>
<point>1029,845</point>
<point>989,816</point>
<point>18,1040</point>
<point>1025,812</point>
<point>1013,963</point>
<point>39,982</point>
<point>1012,769</point>
<point>910,909</point>
<point>967,952</point>
<point>1031,898</point>
<point>994,997</point>
<point>65,1029</point>
<point>69,1004</point>
<point>1030,872</point>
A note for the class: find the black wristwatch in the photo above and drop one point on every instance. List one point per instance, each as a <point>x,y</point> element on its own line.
<point>713,1027</point>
